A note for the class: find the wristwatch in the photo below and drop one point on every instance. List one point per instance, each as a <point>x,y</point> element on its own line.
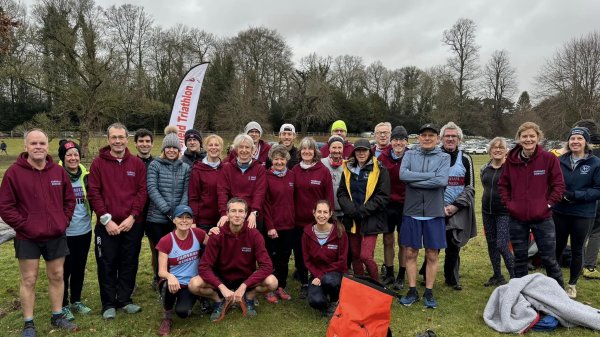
<point>105,219</point>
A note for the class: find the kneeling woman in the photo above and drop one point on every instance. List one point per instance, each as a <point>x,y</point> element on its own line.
<point>178,257</point>
<point>325,249</point>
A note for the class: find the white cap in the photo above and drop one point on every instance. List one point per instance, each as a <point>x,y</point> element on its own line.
<point>287,127</point>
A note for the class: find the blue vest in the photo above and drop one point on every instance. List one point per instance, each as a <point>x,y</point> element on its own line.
<point>456,180</point>
<point>183,264</point>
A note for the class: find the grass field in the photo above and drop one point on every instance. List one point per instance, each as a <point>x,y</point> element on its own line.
<point>459,312</point>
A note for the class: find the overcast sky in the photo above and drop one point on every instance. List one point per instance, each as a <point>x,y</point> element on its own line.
<point>399,32</point>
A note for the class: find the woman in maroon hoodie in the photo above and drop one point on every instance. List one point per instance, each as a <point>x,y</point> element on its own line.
<point>243,178</point>
<point>313,182</point>
<point>530,184</point>
<point>325,247</point>
<point>202,192</point>
<point>279,218</point>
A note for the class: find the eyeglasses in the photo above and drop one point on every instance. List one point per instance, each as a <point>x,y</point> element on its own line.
<point>382,133</point>
<point>450,136</point>
<point>498,148</point>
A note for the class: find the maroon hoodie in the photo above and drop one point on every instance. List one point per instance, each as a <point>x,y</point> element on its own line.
<point>279,201</point>
<point>250,186</point>
<point>118,188</point>
<point>312,185</point>
<point>398,186</point>
<point>527,188</point>
<point>202,193</point>
<point>232,257</point>
<point>321,259</point>
<point>37,204</point>
<point>263,154</point>
<point>348,148</point>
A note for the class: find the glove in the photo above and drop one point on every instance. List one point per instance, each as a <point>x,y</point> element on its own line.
<point>569,196</point>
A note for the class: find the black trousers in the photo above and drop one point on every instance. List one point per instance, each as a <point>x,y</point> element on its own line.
<point>155,232</point>
<point>117,258</point>
<point>280,250</point>
<point>74,268</point>
<point>329,291</point>
<point>577,229</point>
<point>298,257</point>
<point>183,300</point>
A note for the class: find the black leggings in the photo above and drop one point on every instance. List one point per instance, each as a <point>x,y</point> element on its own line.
<point>155,232</point>
<point>577,228</point>
<point>74,268</point>
<point>280,250</point>
<point>497,235</point>
<point>183,300</point>
<point>298,257</point>
<point>330,287</point>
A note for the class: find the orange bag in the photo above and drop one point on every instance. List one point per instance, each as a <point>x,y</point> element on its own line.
<point>364,309</point>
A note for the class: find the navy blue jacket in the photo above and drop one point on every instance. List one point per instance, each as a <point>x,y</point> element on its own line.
<point>584,182</point>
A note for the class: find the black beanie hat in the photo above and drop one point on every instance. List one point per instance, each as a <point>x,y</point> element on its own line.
<point>192,133</point>
<point>66,146</point>
<point>399,132</point>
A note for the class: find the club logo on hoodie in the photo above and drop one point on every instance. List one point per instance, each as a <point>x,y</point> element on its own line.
<point>246,250</point>
<point>539,172</point>
<point>585,169</point>
<point>55,182</point>
<point>130,173</point>
<point>315,182</point>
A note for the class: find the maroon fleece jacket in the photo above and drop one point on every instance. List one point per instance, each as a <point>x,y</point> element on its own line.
<point>232,257</point>
<point>279,201</point>
<point>202,194</point>
<point>527,188</point>
<point>329,257</point>
<point>398,186</point>
<point>312,185</point>
<point>250,186</point>
<point>263,155</point>
<point>37,204</point>
<point>118,188</point>
<point>348,148</point>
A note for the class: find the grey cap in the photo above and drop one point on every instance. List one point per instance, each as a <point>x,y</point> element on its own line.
<point>362,144</point>
<point>287,127</point>
<point>253,126</point>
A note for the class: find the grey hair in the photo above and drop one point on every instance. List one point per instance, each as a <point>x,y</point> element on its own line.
<point>239,139</point>
<point>310,143</point>
<point>117,126</point>
<point>279,150</point>
<point>500,140</point>
<point>452,126</point>
<point>32,130</point>
<point>386,124</point>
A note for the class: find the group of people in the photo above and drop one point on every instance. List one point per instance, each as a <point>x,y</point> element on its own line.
<point>223,229</point>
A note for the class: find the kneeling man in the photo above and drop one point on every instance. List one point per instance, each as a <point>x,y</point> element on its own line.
<point>228,272</point>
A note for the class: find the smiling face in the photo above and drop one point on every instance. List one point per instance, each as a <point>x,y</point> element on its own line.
<point>339,132</point>
<point>362,155</point>
<point>183,222</point>
<point>428,140</point>
<point>255,135</point>
<point>279,163</point>
<point>286,138</point>
<point>36,145</point>
<point>498,151</point>
<point>244,152</point>
<point>322,213</point>
<point>307,154</point>
<point>399,145</point>
<point>193,144</point>
<point>382,135</point>
<point>236,212</point>
<point>72,160</point>
<point>450,140</point>
<point>213,149</point>
<point>117,140</point>
<point>144,145</point>
<point>171,153</point>
<point>577,143</point>
<point>336,150</point>
<point>528,140</point>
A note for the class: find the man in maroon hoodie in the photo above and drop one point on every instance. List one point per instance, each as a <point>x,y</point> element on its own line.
<point>228,272</point>
<point>117,193</point>
<point>37,202</point>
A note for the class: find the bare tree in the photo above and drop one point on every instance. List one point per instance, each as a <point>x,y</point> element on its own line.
<point>499,82</point>
<point>349,74</point>
<point>379,81</point>
<point>464,56</point>
<point>573,75</point>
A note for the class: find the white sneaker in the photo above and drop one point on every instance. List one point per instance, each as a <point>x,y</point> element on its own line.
<point>571,291</point>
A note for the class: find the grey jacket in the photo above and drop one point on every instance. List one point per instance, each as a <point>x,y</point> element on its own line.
<point>513,307</point>
<point>167,187</point>
<point>426,176</point>
<point>336,176</point>
<point>463,223</point>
